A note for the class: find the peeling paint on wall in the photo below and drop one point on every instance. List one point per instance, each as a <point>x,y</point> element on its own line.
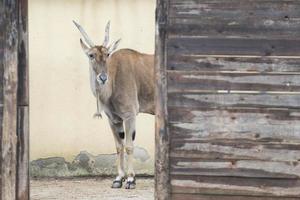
<point>87,164</point>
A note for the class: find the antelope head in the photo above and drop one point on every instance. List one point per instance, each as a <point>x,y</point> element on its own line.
<point>98,55</point>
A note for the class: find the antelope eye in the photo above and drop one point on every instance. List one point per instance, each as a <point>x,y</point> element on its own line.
<point>91,56</point>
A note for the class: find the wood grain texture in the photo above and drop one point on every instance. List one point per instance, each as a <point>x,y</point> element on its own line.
<point>233,99</point>
<point>235,142</point>
<point>22,188</point>
<point>162,176</point>
<point>22,180</point>
<point>213,45</point>
<point>8,119</point>
<point>255,18</point>
<point>1,147</point>
<point>191,81</point>
<point>180,196</point>
<point>247,167</point>
<point>224,100</point>
<point>23,54</point>
<point>236,186</point>
<point>273,125</point>
<point>242,64</point>
<point>2,41</point>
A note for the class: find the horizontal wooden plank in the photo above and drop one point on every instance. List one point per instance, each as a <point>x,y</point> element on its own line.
<point>254,64</point>
<point>236,151</point>
<point>235,186</point>
<point>255,18</point>
<point>219,100</point>
<point>212,25</point>
<point>234,168</point>
<point>233,46</point>
<point>179,81</point>
<point>272,125</point>
<point>181,196</point>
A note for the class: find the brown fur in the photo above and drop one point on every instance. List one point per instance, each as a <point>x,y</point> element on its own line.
<point>132,76</point>
<point>130,86</point>
<point>123,84</point>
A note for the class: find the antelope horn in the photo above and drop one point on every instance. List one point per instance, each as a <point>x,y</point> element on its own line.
<point>84,34</point>
<point>106,37</point>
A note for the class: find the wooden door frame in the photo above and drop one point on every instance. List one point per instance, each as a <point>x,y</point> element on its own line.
<point>14,100</point>
<point>162,137</point>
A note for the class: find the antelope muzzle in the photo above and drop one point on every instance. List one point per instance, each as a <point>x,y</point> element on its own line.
<point>102,78</point>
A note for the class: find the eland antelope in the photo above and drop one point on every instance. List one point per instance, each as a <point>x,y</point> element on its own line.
<point>123,83</point>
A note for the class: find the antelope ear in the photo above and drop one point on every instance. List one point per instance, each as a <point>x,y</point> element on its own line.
<point>84,47</point>
<point>113,46</point>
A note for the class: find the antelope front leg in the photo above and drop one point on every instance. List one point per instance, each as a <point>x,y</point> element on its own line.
<point>118,132</point>
<point>130,136</point>
<point>98,112</point>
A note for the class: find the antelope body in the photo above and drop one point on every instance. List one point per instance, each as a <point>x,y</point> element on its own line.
<point>123,84</point>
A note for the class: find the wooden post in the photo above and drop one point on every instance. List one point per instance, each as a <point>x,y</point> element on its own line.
<point>8,120</point>
<point>162,180</point>
<point>22,190</point>
<point>14,137</point>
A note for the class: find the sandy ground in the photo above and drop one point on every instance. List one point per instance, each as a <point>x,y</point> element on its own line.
<point>89,189</point>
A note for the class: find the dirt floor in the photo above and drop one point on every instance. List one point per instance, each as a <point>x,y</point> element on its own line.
<point>89,189</point>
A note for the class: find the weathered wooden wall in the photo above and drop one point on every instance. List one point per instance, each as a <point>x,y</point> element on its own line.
<point>14,130</point>
<point>231,126</point>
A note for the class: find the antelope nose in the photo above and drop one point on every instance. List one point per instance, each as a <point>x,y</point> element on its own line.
<point>103,77</point>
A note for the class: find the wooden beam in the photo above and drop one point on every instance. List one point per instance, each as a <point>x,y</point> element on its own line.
<point>9,50</point>
<point>162,179</point>
<point>22,182</point>
<point>14,131</point>
<point>23,88</point>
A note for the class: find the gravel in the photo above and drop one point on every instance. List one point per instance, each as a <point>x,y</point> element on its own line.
<point>89,189</point>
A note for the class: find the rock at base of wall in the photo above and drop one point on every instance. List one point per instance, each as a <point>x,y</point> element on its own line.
<point>86,164</point>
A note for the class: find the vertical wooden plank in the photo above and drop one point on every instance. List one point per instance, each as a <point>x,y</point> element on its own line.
<point>2,25</point>
<point>9,115</point>
<point>23,89</point>
<point>162,179</point>
<point>22,182</point>
<point>22,154</point>
<point>1,115</point>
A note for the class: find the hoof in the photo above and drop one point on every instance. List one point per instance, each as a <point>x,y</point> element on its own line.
<point>130,184</point>
<point>117,183</point>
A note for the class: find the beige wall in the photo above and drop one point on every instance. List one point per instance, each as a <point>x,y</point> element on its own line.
<point>61,103</point>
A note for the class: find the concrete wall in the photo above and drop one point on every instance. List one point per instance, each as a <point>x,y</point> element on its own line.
<point>61,103</point>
